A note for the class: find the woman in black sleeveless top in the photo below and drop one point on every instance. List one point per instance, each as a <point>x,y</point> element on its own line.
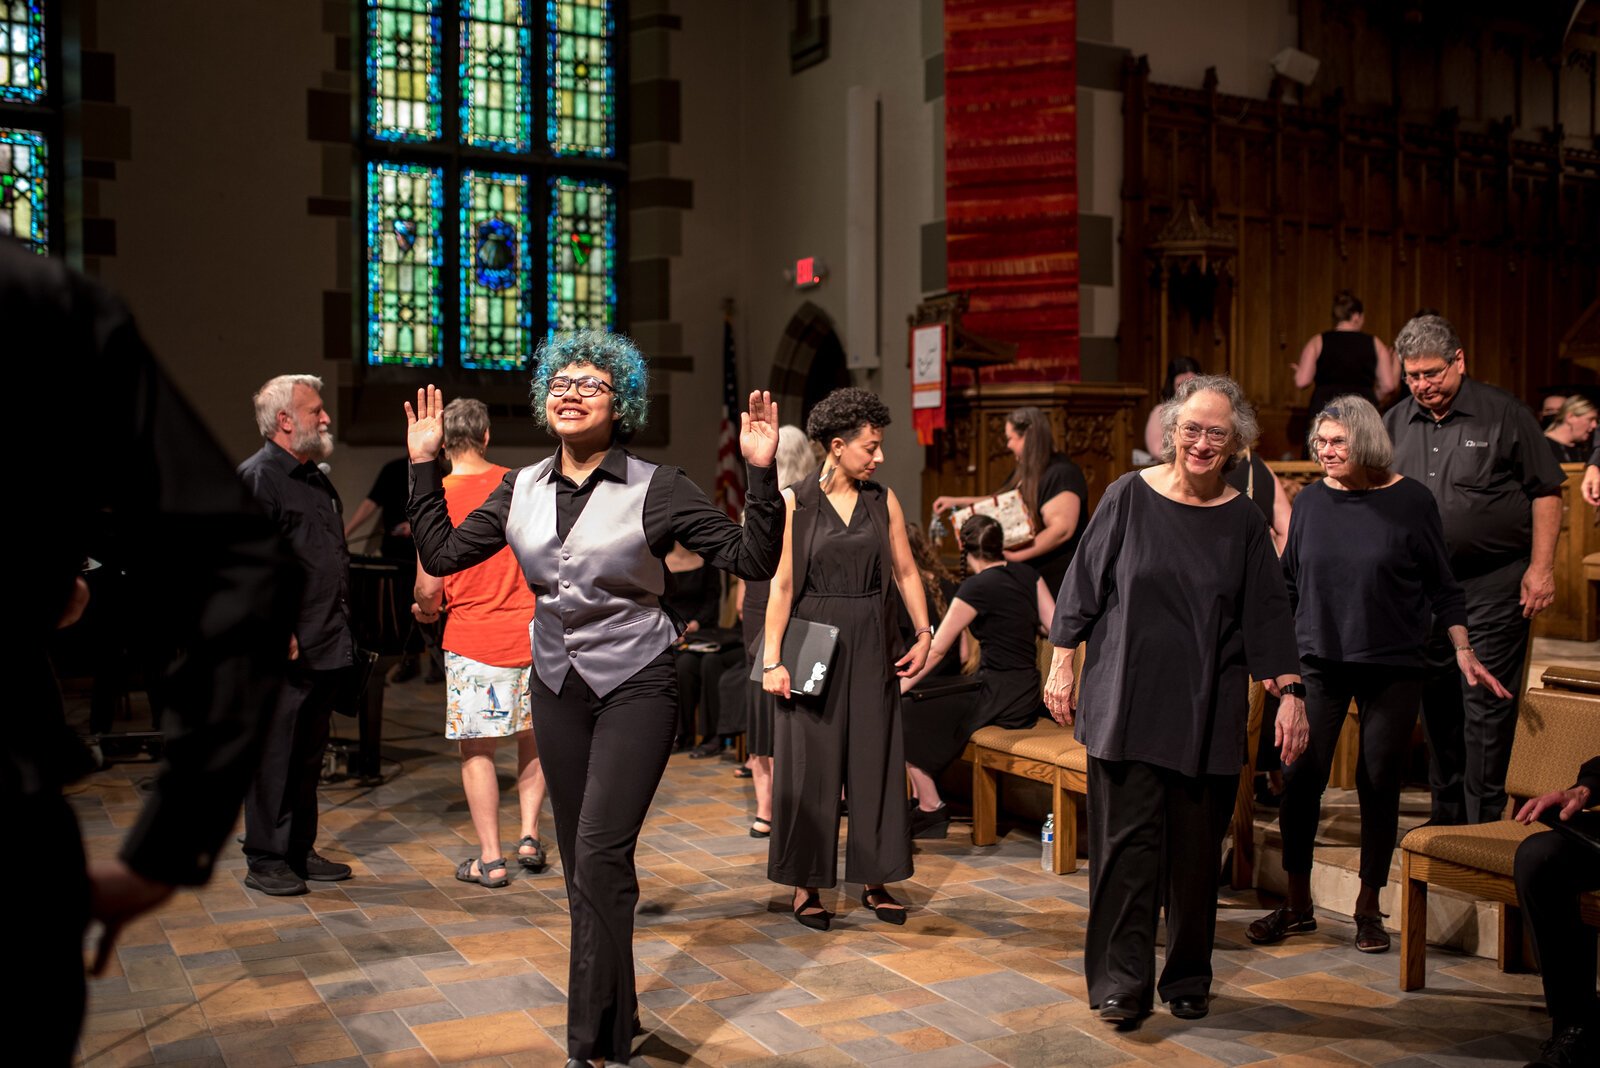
<point>1346,360</point>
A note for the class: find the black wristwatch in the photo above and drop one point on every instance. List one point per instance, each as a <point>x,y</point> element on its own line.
<point>1294,689</point>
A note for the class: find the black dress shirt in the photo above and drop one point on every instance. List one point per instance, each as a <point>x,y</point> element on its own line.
<point>140,484</point>
<point>675,509</point>
<point>299,497</point>
<point>1485,461</point>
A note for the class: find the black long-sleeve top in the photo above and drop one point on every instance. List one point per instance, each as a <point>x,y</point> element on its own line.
<point>675,509</point>
<point>1180,604</point>
<point>140,484</point>
<point>1367,571</point>
<point>1589,776</point>
<point>695,596</point>
<point>306,507</point>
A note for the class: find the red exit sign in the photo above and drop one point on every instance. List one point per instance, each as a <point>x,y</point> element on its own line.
<point>808,272</point>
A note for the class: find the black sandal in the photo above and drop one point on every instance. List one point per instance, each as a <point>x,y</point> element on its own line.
<point>464,872</point>
<point>1370,935</point>
<point>817,921</point>
<point>743,772</point>
<point>757,832</point>
<point>889,911</point>
<point>535,861</point>
<point>1280,923</point>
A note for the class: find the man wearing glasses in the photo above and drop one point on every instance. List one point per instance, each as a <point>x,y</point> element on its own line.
<point>1498,489</point>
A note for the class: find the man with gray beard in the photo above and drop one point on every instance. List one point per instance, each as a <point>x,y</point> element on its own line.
<point>280,811</point>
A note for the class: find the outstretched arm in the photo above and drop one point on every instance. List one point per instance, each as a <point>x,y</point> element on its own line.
<point>443,547</point>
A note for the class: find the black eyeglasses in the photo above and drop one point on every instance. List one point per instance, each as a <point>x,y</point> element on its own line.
<point>587,386</point>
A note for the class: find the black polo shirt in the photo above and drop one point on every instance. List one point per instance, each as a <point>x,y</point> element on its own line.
<point>1485,462</point>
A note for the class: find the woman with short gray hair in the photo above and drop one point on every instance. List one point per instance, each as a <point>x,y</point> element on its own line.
<point>1177,591</point>
<point>1366,570</point>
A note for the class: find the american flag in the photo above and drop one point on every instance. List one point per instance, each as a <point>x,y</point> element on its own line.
<point>730,471</point>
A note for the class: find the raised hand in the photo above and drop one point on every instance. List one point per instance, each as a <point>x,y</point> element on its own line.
<point>758,430</point>
<point>425,425</point>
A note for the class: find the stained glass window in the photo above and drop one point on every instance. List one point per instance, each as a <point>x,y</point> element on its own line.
<point>403,62</point>
<point>405,207</point>
<point>23,192</point>
<point>22,78</point>
<point>495,56</point>
<point>581,116</point>
<point>581,251</point>
<point>471,212</point>
<point>496,267</point>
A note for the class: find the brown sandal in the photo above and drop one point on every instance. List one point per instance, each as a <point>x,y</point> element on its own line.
<point>1370,935</point>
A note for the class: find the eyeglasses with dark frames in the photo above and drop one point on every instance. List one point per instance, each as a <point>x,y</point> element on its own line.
<point>587,386</point>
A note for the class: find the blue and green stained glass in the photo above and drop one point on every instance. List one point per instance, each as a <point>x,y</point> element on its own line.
<point>22,78</point>
<point>581,78</point>
<point>496,59</point>
<point>581,280</point>
<point>496,268</point>
<point>405,253</point>
<point>403,63</point>
<point>24,204</point>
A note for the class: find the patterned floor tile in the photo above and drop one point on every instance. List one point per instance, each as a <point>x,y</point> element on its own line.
<point>403,966</point>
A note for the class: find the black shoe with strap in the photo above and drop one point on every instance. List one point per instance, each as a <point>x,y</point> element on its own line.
<point>1370,935</point>
<point>811,914</point>
<point>1280,923</point>
<point>535,861</point>
<point>883,905</point>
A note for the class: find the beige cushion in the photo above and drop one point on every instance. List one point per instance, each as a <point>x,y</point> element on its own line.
<point>1556,732</point>
<point>1051,744</point>
<point>1488,846</point>
<point>1571,677</point>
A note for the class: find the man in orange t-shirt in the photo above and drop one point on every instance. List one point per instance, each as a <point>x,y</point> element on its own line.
<point>487,658</point>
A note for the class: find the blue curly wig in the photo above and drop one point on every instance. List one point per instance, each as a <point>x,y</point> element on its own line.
<point>612,353</point>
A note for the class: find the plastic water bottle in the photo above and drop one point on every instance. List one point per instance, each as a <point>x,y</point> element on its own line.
<point>1047,843</point>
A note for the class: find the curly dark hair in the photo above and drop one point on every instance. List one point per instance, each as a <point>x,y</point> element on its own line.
<point>843,413</point>
<point>612,353</point>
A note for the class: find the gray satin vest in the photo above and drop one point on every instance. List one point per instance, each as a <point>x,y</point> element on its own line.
<point>599,595</point>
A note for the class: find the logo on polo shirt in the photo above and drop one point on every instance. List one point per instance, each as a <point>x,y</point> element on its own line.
<point>1469,443</point>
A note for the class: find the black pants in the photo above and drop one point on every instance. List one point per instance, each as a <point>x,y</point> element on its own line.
<point>280,809</point>
<point>698,675</point>
<point>1387,699</point>
<point>43,1014</point>
<point>1470,729</point>
<point>603,759</point>
<point>1551,871</point>
<point>1149,826</point>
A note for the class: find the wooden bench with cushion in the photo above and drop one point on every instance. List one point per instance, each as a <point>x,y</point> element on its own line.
<point>1047,753</point>
<point>1556,731</point>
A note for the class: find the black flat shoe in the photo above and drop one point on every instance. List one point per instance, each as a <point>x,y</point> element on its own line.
<point>319,868</point>
<point>1279,924</point>
<point>817,921</point>
<point>760,828</point>
<point>1190,1008</point>
<point>930,825</point>
<point>888,909</point>
<point>279,882</point>
<point>1121,1007</point>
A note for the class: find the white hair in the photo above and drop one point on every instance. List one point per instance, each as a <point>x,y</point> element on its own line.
<point>278,396</point>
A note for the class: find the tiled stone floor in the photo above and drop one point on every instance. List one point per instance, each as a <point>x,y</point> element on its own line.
<point>402,965</point>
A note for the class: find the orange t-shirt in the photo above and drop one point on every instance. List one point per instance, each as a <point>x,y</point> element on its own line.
<point>490,604</point>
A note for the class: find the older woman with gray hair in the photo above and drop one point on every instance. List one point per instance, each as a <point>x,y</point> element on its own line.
<point>1367,571</point>
<point>1177,591</point>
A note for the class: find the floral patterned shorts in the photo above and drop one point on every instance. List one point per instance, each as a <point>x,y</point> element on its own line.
<point>485,701</point>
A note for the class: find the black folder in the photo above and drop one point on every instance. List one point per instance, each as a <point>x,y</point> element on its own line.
<point>807,653</point>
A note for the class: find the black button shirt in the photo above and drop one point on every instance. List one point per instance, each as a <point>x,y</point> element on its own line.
<point>1485,462</point>
<point>306,507</point>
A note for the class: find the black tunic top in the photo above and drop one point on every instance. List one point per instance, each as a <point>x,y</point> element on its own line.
<point>1348,364</point>
<point>1180,604</point>
<point>1365,570</point>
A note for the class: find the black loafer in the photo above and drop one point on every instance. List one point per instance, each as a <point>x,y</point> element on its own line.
<point>1121,1007</point>
<point>1190,1008</point>
<point>279,882</point>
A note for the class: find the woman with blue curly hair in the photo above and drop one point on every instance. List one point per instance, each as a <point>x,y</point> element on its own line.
<point>590,526</point>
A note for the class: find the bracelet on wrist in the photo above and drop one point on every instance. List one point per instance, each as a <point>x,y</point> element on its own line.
<point>925,630</point>
<point>1463,649</point>
<point>771,667</point>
